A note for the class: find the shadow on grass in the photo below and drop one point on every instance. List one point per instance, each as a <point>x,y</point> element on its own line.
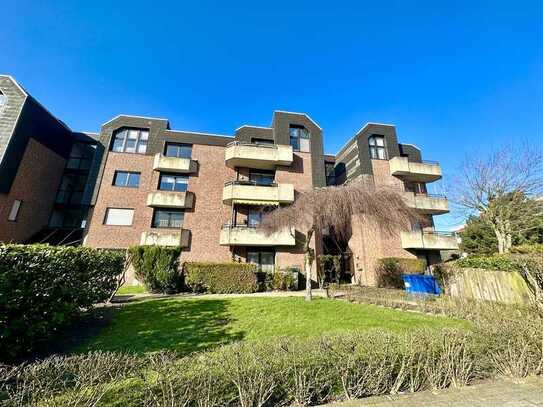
<point>181,326</point>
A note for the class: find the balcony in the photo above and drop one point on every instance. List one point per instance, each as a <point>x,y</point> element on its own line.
<point>429,240</point>
<point>427,203</point>
<point>166,238</point>
<point>170,199</point>
<point>254,236</point>
<point>260,156</point>
<point>426,171</point>
<point>174,164</point>
<point>252,193</point>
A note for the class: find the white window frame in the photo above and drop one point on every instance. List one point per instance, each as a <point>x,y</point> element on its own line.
<point>14,211</point>
<point>142,140</point>
<point>130,216</point>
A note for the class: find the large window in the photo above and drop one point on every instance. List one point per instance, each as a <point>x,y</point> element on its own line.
<point>377,148</point>
<point>126,179</point>
<point>169,182</point>
<point>81,156</point>
<point>119,217</point>
<point>127,140</point>
<point>178,150</point>
<point>264,260</point>
<point>70,191</point>
<point>168,218</point>
<point>299,138</point>
<point>262,177</point>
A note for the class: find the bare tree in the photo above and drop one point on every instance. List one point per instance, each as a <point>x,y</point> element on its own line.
<point>333,207</point>
<point>502,189</point>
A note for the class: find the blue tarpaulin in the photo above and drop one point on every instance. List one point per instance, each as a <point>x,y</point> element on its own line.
<point>421,284</point>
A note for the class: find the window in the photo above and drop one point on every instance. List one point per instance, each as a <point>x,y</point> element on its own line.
<point>71,189</point>
<point>178,150</point>
<point>377,148</point>
<point>169,182</point>
<point>329,169</point>
<point>262,177</point>
<point>130,141</point>
<point>168,218</point>
<point>14,212</point>
<point>264,260</point>
<point>119,217</point>
<point>254,217</point>
<point>126,179</point>
<point>81,156</point>
<point>299,138</point>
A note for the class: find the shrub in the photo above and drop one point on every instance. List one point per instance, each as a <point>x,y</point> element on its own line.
<point>157,267</point>
<point>533,248</point>
<point>285,280</point>
<point>221,278</point>
<point>390,269</point>
<point>44,287</point>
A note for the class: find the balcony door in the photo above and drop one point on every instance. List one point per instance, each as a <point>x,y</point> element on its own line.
<point>262,177</point>
<point>264,259</point>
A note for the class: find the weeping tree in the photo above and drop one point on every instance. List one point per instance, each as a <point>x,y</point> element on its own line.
<point>333,208</point>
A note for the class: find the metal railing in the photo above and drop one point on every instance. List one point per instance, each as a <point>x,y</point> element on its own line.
<point>435,196</point>
<point>245,143</point>
<point>240,226</point>
<point>439,233</point>
<point>250,183</point>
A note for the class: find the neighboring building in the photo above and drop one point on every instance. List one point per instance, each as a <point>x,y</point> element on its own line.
<point>35,155</point>
<point>140,182</point>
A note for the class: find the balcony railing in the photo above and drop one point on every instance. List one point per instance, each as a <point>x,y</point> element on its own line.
<point>170,199</point>
<point>432,204</point>
<point>174,164</point>
<point>166,238</point>
<point>249,235</point>
<point>429,240</point>
<point>252,192</point>
<point>425,171</point>
<point>257,155</point>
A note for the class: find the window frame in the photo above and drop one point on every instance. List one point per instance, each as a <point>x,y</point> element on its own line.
<point>179,147</point>
<point>15,210</point>
<point>299,130</point>
<point>122,209</point>
<point>170,211</point>
<point>375,148</point>
<point>262,174</point>
<point>167,174</point>
<point>126,185</point>
<point>138,143</point>
<point>260,252</point>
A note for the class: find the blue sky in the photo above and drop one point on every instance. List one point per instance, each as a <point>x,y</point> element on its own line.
<point>454,77</point>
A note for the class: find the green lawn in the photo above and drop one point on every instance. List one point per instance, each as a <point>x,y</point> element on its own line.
<point>188,325</point>
<point>131,289</point>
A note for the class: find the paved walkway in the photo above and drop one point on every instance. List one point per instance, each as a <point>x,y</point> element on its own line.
<point>510,393</point>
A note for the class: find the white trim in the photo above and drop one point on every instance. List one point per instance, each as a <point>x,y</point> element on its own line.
<point>16,83</point>
<point>135,117</point>
<point>256,127</point>
<point>299,114</point>
<point>412,145</point>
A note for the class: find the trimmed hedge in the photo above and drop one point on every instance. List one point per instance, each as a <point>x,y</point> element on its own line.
<point>157,267</point>
<point>503,262</point>
<point>220,278</point>
<point>389,271</point>
<point>44,287</point>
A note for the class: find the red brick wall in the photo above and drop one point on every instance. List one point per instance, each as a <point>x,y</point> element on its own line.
<point>36,183</point>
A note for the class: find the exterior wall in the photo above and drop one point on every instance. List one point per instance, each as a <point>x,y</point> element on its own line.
<point>209,213</point>
<point>35,184</point>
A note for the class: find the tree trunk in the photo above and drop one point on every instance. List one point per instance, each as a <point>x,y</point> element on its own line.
<point>308,261</point>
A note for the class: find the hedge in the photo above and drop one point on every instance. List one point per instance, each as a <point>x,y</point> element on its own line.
<point>157,267</point>
<point>44,287</point>
<point>503,262</point>
<point>220,278</point>
<point>287,371</point>
<point>389,270</point>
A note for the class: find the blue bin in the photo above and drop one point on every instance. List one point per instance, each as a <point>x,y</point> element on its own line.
<point>421,284</point>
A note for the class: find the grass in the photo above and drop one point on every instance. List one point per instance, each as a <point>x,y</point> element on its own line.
<point>131,289</point>
<point>188,325</point>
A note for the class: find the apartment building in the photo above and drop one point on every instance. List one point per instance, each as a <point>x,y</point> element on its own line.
<point>138,181</point>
